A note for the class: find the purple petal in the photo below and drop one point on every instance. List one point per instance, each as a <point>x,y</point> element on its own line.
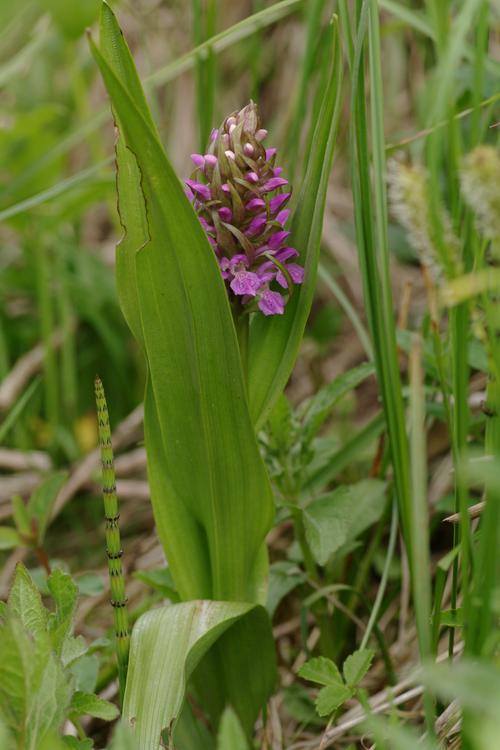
<point>198,160</point>
<point>206,226</point>
<point>211,160</point>
<point>274,183</point>
<point>277,201</point>
<point>200,189</point>
<point>230,154</point>
<point>282,217</point>
<point>277,239</point>
<point>296,274</point>
<point>256,225</point>
<point>248,149</point>
<point>255,203</point>
<point>252,177</point>
<point>245,282</point>
<point>260,134</point>
<point>225,188</point>
<point>214,134</point>
<point>238,260</point>
<point>277,171</point>
<point>225,213</point>
<point>189,193</point>
<point>271,303</point>
<point>270,152</point>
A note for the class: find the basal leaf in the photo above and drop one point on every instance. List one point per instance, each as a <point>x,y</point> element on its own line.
<point>321,670</point>
<point>341,516</point>
<point>215,507</point>
<point>167,645</point>
<point>274,343</point>
<point>357,665</point>
<point>332,697</point>
<point>64,591</point>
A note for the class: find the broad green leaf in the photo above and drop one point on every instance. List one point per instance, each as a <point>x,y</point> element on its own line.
<point>89,704</point>
<point>166,646</point>
<point>123,738</point>
<point>25,603</point>
<point>274,343</point>
<point>320,406</point>
<point>321,670</point>
<point>42,501</point>
<point>341,516</point>
<point>332,697</point>
<point>9,537</point>
<point>210,492</point>
<point>190,733</point>
<point>16,651</point>
<point>357,665</point>
<point>230,735</point>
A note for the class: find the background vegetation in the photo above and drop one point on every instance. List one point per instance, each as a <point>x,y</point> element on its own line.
<point>389,429</point>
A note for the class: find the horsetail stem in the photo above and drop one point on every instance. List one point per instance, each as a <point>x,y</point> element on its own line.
<point>113,544</point>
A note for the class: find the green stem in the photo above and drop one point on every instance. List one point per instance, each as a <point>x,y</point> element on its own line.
<point>113,541</point>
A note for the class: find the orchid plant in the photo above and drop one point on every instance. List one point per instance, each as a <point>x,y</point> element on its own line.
<point>208,275</point>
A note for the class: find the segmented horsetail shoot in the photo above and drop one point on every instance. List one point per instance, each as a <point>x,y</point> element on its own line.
<point>114,550</point>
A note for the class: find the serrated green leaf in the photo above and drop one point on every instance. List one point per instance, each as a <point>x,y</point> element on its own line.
<point>330,698</point>
<point>42,501</point>
<point>64,592</point>
<point>75,744</point>
<point>211,520</point>
<point>274,343</point>
<point>25,603</point>
<point>9,537</point>
<point>231,735</point>
<point>83,704</point>
<point>357,665</point>
<point>21,517</point>
<point>321,670</point>
<point>167,645</point>
<point>85,670</point>
<point>338,518</point>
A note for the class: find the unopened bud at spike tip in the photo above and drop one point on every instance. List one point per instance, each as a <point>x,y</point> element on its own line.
<point>237,196</point>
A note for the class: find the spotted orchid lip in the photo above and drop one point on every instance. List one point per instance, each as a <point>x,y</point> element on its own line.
<point>239,194</point>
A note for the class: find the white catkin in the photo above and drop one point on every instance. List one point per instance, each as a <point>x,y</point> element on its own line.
<point>480,180</point>
<point>408,193</point>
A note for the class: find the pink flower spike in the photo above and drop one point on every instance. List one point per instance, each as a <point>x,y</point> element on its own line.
<point>225,213</point>
<point>198,160</point>
<point>271,303</point>
<point>201,190</point>
<point>273,183</point>
<point>277,239</point>
<point>270,152</point>
<point>282,217</point>
<point>211,160</point>
<point>255,203</point>
<point>277,201</point>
